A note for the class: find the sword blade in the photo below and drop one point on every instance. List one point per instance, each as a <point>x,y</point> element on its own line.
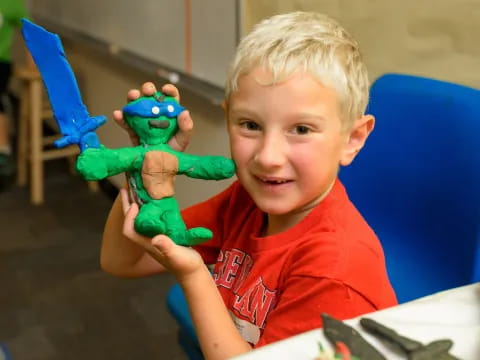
<point>68,108</point>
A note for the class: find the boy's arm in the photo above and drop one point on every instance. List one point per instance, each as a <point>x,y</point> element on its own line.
<point>121,256</point>
<point>217,334</point>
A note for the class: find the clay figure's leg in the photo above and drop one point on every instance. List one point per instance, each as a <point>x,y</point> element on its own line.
<point>149,220</point>
<point>163,217</point>
<point>176,229</point>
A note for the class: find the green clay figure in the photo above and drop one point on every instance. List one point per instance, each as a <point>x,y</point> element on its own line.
<point>151,168</point>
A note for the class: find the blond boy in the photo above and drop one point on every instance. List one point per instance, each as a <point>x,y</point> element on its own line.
<point>288,242</point>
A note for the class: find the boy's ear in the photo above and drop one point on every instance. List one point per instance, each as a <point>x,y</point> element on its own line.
<point>357,136</point>
<point>225,106</point>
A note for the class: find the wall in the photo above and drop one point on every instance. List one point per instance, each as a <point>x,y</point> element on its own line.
<point>172,34</point>
<point>435,38</point>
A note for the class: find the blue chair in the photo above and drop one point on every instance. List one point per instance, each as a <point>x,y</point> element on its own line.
<point>417,182</point>
<point>187,339</point>
<point>4,353</point>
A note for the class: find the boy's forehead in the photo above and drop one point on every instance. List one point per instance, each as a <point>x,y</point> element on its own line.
<point>264,76</point>
<point>296,84</point>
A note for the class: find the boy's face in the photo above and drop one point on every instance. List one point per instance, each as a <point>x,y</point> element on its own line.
<point>287,140</point>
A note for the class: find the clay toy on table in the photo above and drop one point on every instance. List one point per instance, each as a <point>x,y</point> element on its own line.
<point>355,346</point>
<point>151,167</point>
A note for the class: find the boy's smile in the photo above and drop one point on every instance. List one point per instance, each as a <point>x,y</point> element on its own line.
<point>287,141</point>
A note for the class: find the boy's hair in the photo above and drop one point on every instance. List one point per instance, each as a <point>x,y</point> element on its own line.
<point>308,42</point>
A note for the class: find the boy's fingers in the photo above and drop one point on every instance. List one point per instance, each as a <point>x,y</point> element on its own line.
<point>125,200</point>
<point>118,117</point>
<point>185,122</point>
<point>181,139</point>
<point>163,244</point>
<point>171,90</point>
<point>129,228</point>
<point>148,89</point>
<point>132,212</point>
<point>133,94</point>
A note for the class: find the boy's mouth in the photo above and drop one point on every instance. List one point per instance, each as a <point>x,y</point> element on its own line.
<point>274,181</point>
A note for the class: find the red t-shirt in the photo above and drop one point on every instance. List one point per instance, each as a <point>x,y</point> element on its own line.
<point>277,286</point>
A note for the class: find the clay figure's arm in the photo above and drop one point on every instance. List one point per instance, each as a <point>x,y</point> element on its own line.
<point>205,167</point>
<point>99,163</point>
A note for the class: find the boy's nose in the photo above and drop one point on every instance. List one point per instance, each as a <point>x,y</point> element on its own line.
<point>271,152</point>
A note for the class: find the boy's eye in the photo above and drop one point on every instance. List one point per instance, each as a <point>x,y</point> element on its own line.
<point>250,125</point>
<point>301,129</point>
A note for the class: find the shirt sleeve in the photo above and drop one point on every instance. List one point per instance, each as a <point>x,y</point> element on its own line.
<point>304,299</point>
<point>15,11</point>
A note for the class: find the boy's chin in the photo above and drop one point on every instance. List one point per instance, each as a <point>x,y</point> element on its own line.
<point>276,208</point>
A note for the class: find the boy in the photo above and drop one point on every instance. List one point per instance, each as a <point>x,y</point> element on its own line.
<point>288,244</point>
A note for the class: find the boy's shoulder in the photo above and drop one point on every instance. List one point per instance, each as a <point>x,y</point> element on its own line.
<point>354,260</point>
<point>336,239</point>
<point>337,216</point>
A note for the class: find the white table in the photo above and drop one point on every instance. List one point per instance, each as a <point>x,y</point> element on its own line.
<point>452,314</point>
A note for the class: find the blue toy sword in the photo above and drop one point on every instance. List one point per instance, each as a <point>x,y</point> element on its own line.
<point>73,119</point>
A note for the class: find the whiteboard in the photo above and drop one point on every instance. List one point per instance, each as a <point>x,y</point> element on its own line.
<point>196,37</point>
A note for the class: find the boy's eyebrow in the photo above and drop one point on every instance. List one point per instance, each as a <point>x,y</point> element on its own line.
<point>247,112</point>
<point>307,115</point>
<point>242,110</point>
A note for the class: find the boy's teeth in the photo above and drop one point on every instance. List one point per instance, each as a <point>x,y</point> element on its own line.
<point>275,181</point>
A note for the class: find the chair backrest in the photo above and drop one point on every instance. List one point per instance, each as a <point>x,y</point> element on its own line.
<point>417,182</point>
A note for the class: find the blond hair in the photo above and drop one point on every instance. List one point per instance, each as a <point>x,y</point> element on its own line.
<point>308,42</point>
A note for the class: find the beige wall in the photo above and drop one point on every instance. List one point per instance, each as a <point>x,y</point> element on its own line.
<point>435,38</point>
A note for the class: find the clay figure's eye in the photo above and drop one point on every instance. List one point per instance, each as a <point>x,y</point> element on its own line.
<point>170,109</point>
<point>155,110</point>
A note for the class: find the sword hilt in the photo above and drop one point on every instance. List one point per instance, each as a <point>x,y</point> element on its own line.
<point>84,136</point>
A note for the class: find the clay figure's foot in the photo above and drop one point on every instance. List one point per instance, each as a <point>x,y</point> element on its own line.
<point>194,236</point>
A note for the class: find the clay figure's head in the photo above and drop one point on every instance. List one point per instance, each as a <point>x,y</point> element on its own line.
<point>153,118</point>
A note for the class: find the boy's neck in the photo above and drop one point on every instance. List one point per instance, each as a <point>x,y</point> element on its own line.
<point>275,224</point>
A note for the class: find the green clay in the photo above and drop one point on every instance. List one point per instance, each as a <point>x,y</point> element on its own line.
<point>151,168</point>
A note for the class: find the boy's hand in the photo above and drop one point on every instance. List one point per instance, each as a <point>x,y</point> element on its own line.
<point>179,260</point>
<point>181,139</point>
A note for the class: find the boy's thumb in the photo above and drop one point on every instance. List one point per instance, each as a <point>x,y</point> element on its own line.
<point>163,244</point>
